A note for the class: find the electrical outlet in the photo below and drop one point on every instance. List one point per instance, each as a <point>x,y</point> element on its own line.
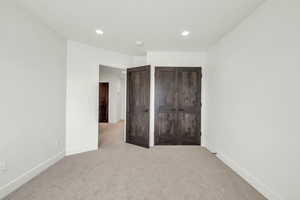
<point>3,167</point>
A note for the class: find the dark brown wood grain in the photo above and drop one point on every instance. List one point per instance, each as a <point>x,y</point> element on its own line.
<point>103,102</point>
<point>137,108</point>
<point>178,105</point>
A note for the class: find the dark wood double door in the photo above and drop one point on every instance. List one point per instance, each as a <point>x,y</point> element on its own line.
<point>178,105</point>
<point>137,108</point>
<point>103,102</point>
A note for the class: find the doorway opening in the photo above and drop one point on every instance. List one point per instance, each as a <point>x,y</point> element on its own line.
<point>111,113</point>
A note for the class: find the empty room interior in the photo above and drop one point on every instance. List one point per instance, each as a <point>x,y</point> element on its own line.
<point>150,100</point>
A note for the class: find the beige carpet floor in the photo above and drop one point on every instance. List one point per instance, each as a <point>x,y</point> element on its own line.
<point>121,171</point>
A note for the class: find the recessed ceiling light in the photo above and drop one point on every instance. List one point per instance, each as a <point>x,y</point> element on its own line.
<point>99,32</point>
<point>139,43</point>
<point>185,33</point>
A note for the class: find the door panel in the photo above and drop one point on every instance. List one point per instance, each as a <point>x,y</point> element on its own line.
<point>166,129</point>
<point>137,110</point>
<point>103,102</point>
<point>165,105</point>
<point>188,88</point>
<point>177,105</point>
<point>188,128</point>
<point>189,105</point>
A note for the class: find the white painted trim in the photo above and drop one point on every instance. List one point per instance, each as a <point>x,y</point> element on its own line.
<point>252,180</point>
<point>125,120</point>
<point>27,176</point>
<point>81,150</point>
<point>208,147</point>
<point>152,107</point>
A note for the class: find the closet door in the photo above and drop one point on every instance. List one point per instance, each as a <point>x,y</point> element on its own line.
<point>137,109</point>
<point>189,106</point>
<point>177,105</point>
<point>165,106</point>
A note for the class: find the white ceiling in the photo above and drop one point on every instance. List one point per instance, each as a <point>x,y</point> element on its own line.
<point>158,23</point>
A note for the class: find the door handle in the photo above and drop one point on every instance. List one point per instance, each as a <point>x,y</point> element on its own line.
<point>180,109</point>
<point>146,110</point>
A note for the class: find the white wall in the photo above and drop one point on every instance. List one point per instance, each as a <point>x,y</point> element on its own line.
<point>139,61</point>
<point>116,80</point>
<point>32,102</point>
<point>82,93</point>
<point>253,99</point>
<point>176,59</point>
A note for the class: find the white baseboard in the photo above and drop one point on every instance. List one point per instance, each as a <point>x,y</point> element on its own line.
<point>256,183</point>
<point>70,152</point>
<point>209,149</point>
<point>27,176</point>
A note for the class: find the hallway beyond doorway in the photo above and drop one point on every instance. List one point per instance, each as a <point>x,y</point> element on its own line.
<point>111,134</point>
